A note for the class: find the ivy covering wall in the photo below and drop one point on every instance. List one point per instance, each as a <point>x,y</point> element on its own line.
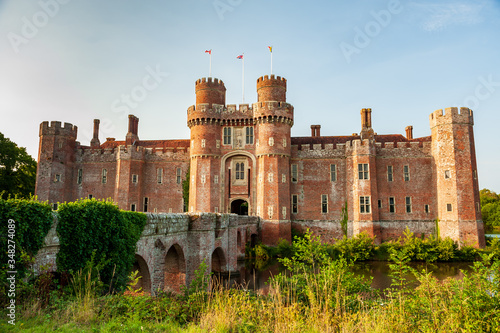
<point>30,222</point>
<point>91,226</point>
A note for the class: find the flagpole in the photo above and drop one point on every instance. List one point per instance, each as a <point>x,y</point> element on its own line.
<point>271,62</point>
<point>210,68</point>
<point>243,81</point>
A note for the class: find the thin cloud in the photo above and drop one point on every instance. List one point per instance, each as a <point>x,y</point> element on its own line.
<point>437,17</point>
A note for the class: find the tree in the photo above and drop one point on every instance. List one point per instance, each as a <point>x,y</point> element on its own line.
<point>490,208</point>
<point>17,170</point>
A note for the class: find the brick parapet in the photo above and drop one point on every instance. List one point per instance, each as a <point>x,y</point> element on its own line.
<point>55,128</point>
<point>451,116</point>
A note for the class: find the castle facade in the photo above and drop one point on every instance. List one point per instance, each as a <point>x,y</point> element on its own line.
<point>244,160</point>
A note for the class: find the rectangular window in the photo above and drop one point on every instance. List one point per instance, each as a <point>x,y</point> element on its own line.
<point>134,179</point>
<point>240,170</point>
<point>392,205</point>
<point>57,178</point>
<point>249,136</point>
<point>475,174</point>
<point>79,178</point>
<point>295,173</point>
<point>159,175</point>
<point>132,207</point>
<point>333,172</point>
<point>324,203</point>
<point>449,208</point>
<point>379,203</point>
<point>178,173</point>
<point>283,178</point>
<point>227,135</point>
<point>90,196</point>
<point>146,202</point>
<point>408,204</point>
<point>447,174</point>
<point>364,204</point>
<point>54,206</point>
<point>389,173</point>
<point>295,203</point>
<point>426,208</point>
<point>406,173</point>
<point>104,176</point>
<point>216,209</point>
<point>363,171</point>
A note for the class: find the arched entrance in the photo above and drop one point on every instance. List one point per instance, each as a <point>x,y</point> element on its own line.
<point>175,269</point>
<point>239,207</point>
<point>218,261</point>
<point>145,280</point>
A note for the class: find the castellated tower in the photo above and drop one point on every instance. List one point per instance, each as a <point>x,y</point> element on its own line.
<point>204,120</point>
<point>455,174</point>
<point>55,162</point>
<point>273,118</point>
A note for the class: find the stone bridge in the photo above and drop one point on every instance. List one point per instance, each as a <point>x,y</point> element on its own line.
<point>172,247</point>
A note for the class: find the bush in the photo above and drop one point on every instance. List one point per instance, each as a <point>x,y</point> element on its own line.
<point>91,226</point>
<point>32,222</point>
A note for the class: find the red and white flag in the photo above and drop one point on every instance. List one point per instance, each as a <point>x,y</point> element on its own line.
<point>208,51</point>
<point>240,56</point>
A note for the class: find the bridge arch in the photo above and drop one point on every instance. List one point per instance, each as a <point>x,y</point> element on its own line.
<point>145,278</point>
<point>175,269</point>
<point>219,263</point>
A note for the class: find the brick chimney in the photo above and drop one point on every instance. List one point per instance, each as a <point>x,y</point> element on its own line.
<point>95,140</point>
<point>315,130</point>
<point>409,132</point>
<point>133,124</point>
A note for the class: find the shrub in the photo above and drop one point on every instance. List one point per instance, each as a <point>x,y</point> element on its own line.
<point>91,226</point>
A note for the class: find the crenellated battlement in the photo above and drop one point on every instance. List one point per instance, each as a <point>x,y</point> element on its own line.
<point>203,82</point>
<point>266,80</point>
<point>452,115</point>
<point>55,128</point>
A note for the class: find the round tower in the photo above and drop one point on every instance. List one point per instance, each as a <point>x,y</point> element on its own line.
<point>210,92</point>
<point>271,89</point>
<point>204,122</point>
<point>274,118</point>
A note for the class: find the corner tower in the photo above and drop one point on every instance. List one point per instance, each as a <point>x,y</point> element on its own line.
<point>273,117</point>
<point>56,157</point>
<point>455,174</point>
<point>204,122</point>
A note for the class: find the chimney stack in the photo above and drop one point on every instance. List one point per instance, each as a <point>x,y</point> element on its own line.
<point>409,132</point>
<point>133,124</point>
<point>315,130</point>
<point>95,140</point>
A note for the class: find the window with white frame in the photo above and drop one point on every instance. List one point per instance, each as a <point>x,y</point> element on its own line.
<point>364,204</point>
<point>134,179</point>
<point>333,172</point>
<point>392,205</point>
<point>295,173</point>
<point>363,171</point>
<point>178,175</point>
<point>249,135</point>
<point>227,135</point>
<point>406,173</point>
<point>159,175</point>
<point>104,176</point>
<point>390,176</point>
<point>408,204</point>
<point>324,203</point>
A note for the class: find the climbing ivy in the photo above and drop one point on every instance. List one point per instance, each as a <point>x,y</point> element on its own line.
<point>90,225</point>
<point>24,235</point>
<point>185,190</point>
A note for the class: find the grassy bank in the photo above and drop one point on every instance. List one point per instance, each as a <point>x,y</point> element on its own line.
<point>321,295</point>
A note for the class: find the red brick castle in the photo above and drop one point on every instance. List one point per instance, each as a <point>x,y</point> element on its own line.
<point>243,160</point>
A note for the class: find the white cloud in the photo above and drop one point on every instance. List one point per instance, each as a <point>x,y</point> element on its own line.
<point>436,17</point>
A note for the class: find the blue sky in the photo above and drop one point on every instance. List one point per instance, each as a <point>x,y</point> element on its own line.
<point>74,60</point>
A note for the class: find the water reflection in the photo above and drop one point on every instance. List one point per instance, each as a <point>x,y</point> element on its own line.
<point>256,278</point>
